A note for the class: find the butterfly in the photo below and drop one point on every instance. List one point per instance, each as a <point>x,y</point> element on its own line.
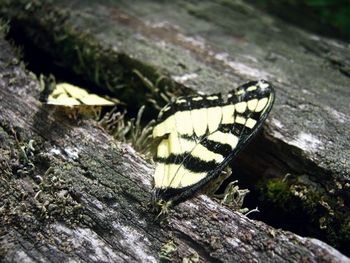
<point>74,100</point>
<point>199,135</point>
<point>66,94</point>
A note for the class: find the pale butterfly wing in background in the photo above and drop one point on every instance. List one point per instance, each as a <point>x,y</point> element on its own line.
<point>66,94</point>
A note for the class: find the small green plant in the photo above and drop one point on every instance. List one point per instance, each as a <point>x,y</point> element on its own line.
<point>167,251</point>
<point>233,196</point>
<point>155,90</point>
<point>4,28</point>
<point>193,258</point>
<point>130,131</point>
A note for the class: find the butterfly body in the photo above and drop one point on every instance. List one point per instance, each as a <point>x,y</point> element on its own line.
<point>200,135</point>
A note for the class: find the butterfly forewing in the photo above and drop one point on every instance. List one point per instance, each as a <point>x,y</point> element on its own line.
<point>199,135</point>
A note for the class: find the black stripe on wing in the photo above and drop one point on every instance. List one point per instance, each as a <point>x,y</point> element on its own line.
<point>216,147</point>
<point>192,163</point>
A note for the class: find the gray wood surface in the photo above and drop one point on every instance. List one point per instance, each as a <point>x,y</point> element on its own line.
<point>92,205</point>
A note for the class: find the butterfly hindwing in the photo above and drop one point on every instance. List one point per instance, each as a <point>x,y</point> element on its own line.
<point>200,135</point>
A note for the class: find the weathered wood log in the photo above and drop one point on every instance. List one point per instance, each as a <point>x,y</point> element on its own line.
<point>92,204</point>
<point>79,195</point>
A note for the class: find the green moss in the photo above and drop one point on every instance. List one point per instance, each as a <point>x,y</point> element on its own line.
<point>330,17</point>
<point>300,201</point>
<point>41,195</point>
<point>277,192</point>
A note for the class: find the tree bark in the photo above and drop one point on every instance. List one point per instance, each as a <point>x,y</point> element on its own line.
<point>79,195</point>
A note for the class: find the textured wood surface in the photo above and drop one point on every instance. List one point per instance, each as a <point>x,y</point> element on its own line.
<point>208,46</point>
